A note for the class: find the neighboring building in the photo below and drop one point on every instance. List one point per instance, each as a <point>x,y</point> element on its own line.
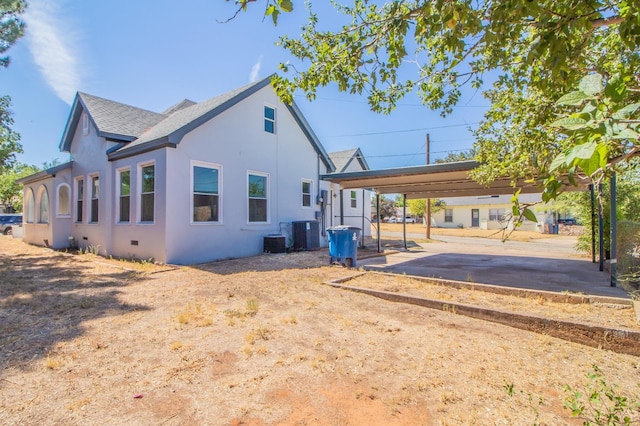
<point>349,207</point>
<point>485,212</point>
<point>195,183</point>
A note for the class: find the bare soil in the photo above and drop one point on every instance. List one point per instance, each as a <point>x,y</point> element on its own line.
<point>260,341</point>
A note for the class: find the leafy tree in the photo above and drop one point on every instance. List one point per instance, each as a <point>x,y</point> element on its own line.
<point>10,191</point>
<point>11,29</point>
<point>538,49</point>
<point>387,207</point>
<point>453,157</point>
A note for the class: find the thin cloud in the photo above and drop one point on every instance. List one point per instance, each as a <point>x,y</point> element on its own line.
<point>255,70</point>
<point>52,47</point>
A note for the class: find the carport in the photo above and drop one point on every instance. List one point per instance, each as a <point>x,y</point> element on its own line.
<point>443,180</point>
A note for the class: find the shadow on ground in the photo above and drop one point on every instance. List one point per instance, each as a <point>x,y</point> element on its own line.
<point>46,299</point>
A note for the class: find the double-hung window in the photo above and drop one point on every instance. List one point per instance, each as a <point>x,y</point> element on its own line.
<point>30,208</point>
<point>496,214</point>
<point>147,192</point>
<point>79,199</point>
<point>354,202</point>
<point>124,196</point>
<point>448,215</point>
<point>269,119</point>
<point>306,192</point>
<point>258,197</point>
<point>95,197</point>
<point>206,193</point>
<point>43,205</point>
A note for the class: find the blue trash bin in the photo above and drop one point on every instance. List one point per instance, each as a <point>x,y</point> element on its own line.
<point>343,244</point>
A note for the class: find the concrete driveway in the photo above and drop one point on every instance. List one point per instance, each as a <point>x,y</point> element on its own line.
<point>549,264</point>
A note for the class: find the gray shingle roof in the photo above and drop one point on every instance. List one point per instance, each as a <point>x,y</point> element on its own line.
<point>341,159</point>
<point>117,119</point>
<point>185,103</point>
<point>175,126</point>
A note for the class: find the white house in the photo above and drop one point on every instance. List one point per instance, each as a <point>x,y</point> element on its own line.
<point>197,182</point>
<point>351,207</point>
<point>485,212</point>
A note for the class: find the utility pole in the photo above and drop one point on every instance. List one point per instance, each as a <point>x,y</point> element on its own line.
<point>428,206</point>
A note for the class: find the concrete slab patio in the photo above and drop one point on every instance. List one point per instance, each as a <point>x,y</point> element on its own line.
<point>549,264</point>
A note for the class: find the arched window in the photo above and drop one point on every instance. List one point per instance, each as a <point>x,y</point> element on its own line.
<point>64,200</point>
<point>43,205</point>
<point>29,207</point>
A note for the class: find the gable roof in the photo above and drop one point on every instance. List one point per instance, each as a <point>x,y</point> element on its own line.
<point>170,131</point>
<point>113,120</point>
<point>140,130</point>
<point>342,159</point>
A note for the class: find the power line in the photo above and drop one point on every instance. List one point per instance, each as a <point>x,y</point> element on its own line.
<point>399,131</point>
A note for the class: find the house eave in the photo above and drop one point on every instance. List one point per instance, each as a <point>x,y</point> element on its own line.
<point>141,149</point>
<point>45,174</point>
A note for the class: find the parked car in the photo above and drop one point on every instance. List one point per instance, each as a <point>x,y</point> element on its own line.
<point>568,221</point>
<point>393,220</point>
<point>8,222</point>
<point>410,219</point>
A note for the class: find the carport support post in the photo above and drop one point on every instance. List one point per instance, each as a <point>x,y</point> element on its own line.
<point>341,206</point>
<point>613,240</point>
<point>593,225</point>
<point>404,219</point>
<point>362,232</point>
<point>600,231</point>
<point>378,219</point>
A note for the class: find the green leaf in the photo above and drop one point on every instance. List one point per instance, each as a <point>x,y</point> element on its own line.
<point>627,133</point>
<point>570,123</point>
<point>558,162</point>
<point>530,215</point>
<point>286,5</point>
<point>573,98</point>
<point>627,111</point>
<point>591,84</point>
<point>583,151</point>
<point>615,89</point>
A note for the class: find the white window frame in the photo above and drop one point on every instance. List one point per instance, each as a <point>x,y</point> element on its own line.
<point>86,128</point>
<point>268,196</point>
<point>498,215</point>
<point>118,189</point>
<point>69,193</point>
<point>302,193</point>
<point>77,180</point>
<point>218,167</point>
<point>265,119</point>
<point>42,192</point>
<point>446,216</point>
<point>30,202</point>
<point>139,192</point>
<point>90,179</point>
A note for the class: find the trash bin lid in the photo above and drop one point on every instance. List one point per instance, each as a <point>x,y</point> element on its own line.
<point>343,228</point>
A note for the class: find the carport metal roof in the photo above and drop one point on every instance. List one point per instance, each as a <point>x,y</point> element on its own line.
<point>442,180</point>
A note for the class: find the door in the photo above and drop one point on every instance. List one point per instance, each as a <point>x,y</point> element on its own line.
<point>475,218</point>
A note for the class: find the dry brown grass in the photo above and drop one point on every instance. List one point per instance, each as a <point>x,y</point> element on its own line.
<point>310,354</point>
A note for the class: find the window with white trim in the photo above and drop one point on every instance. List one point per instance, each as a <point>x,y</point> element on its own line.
<point>85,124</point>
<point>147,192</point>
<point>269,119</point>
<point>43,205</point>
<point>258,192</point>
<point>448,215</point>
<point>307,189</point>
<point>79,198</point>
<point>354,200</point>
<point>124,195</point>
<point>63,200</point>
<point>30,206</point>
<point>205,192</point>
<point>496,214</point>
<point>95,198</point>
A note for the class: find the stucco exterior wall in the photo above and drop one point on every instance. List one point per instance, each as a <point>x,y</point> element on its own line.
<point>235,141</point>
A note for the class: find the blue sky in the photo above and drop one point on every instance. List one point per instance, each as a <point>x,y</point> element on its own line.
<point>152,54</point>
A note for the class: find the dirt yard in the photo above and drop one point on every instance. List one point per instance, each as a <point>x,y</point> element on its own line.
<point>261,341</point>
